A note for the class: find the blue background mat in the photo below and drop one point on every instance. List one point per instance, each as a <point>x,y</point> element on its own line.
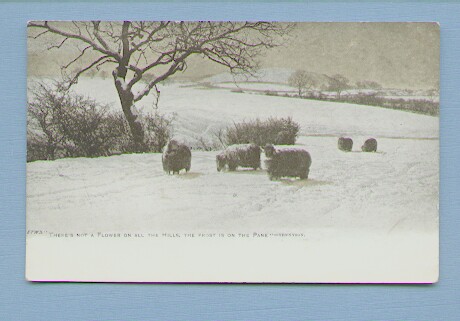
<point>21,300</point>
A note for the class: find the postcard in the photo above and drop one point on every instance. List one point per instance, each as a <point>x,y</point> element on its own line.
<point>233,152</point>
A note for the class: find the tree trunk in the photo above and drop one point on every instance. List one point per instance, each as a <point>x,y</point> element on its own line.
<point>125,94</point>
<point>127,104</point>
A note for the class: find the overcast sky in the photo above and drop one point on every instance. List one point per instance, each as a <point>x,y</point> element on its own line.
<point>402,55</point>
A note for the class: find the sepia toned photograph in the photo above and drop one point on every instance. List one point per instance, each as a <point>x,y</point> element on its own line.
<point>233,152</point>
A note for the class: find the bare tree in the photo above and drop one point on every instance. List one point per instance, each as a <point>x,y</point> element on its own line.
<point>338,83</point>
<point>135,48</point>
<point>302,81</point>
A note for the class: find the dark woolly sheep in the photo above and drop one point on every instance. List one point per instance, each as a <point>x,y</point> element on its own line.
<point>245,155</point>
<point>345,144</point>
<point>369,145</point>
<point>287,162</point>
<point>176,156</point>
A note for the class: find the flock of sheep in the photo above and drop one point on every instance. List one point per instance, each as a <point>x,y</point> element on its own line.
<point>280,161</point>
<point>346,144</point>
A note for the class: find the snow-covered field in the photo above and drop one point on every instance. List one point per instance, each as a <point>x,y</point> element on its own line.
<point>395,189</point>
<point>200,112</point>
<point>360,217</point>
<point>392,190</point>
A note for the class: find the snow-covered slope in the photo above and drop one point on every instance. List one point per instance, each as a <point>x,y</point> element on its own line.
<point>395,188</point>
<point>200,112</point>
<point>359,217</point>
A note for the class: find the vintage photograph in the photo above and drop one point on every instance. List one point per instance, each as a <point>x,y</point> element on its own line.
<point>197,151</point>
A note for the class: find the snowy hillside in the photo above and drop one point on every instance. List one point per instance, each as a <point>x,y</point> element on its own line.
<point>361,216</point>
<point>200,112</point>
<point>395,188</point>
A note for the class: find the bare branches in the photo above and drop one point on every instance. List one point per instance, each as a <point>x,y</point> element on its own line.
<point>302,81</point>
<point>82,53</point>
<point>98,62</point>
<point>98,36</point>
<point>74,35</point>
<point>160,48</point>
<point>178,65</point>
<point>40,34</point>
<point>58,45</point>
<point>143,29</point>
<point>137,47</point>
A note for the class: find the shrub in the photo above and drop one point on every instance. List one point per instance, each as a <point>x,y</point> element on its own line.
<point>271,93</point>
<point>45,137</point>
<point>158,131</point>
<point>279,131</point>
<point>64,124</point>
<point>422,106</point>
<point>37,148</point>
<point>88,128</point>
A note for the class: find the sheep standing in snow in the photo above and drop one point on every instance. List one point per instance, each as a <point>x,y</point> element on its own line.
<point>287,162</point>
<point>369,145</point>
<point>245,155</point>
<point>345,144</point>
<point>176,156</point>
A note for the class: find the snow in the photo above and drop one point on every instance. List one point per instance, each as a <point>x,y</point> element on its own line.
<point>201,112</point>
<point>374,214</point>
<point>122,83</point>
<point>393,189</point>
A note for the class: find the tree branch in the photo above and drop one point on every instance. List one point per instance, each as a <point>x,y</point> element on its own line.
<point>78,57</point>
<point>98,62</point>
<point>80,37</point>
<point>59,45</point>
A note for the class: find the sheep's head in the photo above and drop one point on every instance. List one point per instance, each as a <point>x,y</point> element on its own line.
<point>220,161</point>
<point>172,145</point>
<point>269,150</point>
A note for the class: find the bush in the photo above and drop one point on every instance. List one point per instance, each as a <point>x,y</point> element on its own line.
<point>422,106</point>
<point>37,148</point>
<point>271,93</point>
<point>45,137</point>
<point>158,131</point>
<point>64,124</point>
<point>88,128</point>
<point>279,131</point>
